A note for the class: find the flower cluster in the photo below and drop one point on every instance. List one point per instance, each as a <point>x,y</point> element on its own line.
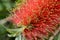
<point>41,17</point>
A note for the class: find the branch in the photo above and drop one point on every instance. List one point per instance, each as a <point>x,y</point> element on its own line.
<point>3,21</point>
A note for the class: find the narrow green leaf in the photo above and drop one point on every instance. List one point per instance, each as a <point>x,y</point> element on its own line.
<point>59,36</point>
<point>2,29</point>
<point>20,37</point>
<point>15,32</point>
<point>3,33</point>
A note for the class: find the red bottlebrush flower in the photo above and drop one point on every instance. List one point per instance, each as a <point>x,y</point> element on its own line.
<point>28,11</point>
<point>42,15</point>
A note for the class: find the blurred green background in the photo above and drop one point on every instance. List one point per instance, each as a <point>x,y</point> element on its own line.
<point>5,6</point>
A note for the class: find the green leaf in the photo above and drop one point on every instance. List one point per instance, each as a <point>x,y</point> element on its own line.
<point>59,36</point>
<point>15,32</point>
<point>20,37</point>
<point>2,29</point>
<point>3,33</point>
